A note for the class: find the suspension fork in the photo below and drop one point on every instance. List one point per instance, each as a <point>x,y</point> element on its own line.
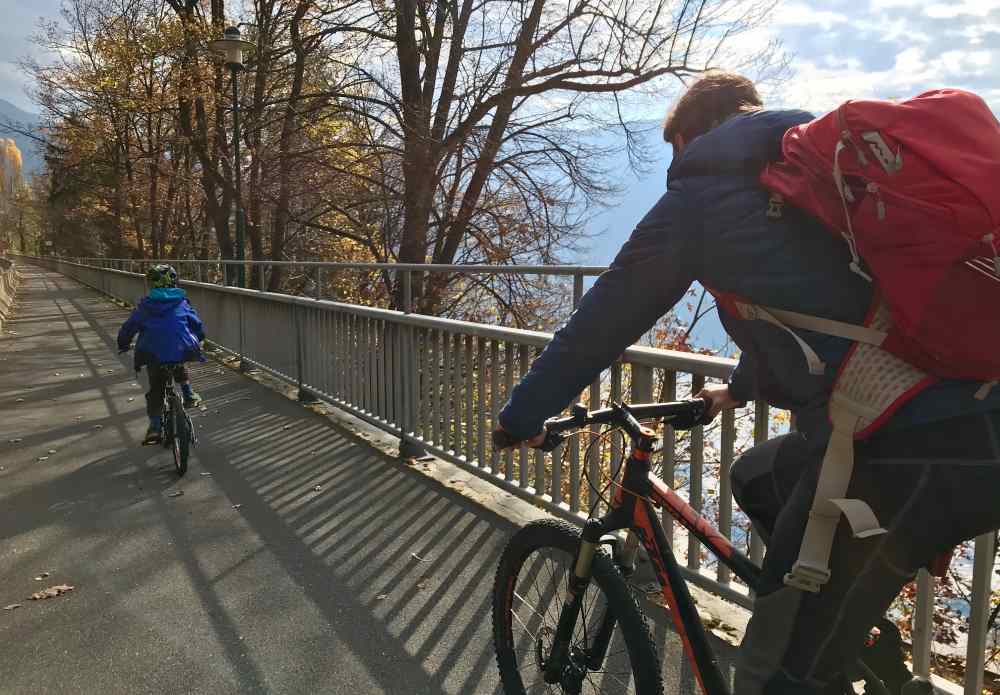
<point>625,560</point>
<point>579,580</point>
<point>635,484</point>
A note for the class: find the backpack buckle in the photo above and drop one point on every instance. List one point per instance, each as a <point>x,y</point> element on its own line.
<point>775,206</point>
<point>807,577</point>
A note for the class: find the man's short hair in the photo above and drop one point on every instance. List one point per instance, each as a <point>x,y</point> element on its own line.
<point>708,102</point>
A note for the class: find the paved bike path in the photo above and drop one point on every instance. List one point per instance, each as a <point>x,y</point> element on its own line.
<point>297,559</point>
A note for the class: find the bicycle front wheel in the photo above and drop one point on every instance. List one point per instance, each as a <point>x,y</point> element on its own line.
<point>530,590</point>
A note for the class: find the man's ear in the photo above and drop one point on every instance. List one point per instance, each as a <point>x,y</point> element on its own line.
<point>678,144</point>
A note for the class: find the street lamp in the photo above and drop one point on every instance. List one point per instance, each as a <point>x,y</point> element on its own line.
<point>232,46</point>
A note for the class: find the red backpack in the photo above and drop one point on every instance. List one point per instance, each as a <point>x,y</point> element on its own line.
<point>914,188</point>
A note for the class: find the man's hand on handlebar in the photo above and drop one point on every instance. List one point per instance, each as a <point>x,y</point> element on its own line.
<point>720,398</point>
<point>502,439</point>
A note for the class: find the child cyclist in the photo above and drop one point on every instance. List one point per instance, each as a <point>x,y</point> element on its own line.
<point>170,332</point>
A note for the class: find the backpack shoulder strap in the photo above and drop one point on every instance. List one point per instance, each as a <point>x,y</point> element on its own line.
<point>871,385</point>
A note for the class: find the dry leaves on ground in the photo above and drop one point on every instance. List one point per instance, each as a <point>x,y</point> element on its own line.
<point>52,592</point>
<point>11,607</point>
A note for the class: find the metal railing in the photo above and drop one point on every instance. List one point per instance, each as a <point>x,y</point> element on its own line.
<point>8,285</point>
<point>438,385</point>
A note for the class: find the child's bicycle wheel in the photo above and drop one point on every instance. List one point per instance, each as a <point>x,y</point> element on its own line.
<point>179,435</point>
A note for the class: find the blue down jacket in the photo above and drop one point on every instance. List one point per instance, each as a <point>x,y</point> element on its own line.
<point>168,326</point>
<point>711,226</point>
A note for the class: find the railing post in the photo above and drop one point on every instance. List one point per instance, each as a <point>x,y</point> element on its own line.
<point>408,446</point>
<point>244,364</point>
<point>728,444</point>
<point>922,624</point>
<point>319,282</point>
<point>975,651</point>
<point>577,290</point>
<point>304,395</point>
<point>695,472</point>
<point>760,430</point>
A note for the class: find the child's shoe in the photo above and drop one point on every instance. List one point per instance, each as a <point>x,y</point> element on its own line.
<point>154,434</point>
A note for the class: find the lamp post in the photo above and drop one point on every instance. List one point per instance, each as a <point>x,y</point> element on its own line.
<point>232,46</point>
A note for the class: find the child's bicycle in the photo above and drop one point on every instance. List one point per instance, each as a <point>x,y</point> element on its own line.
<point>178,430</point>
<point>565,619</point>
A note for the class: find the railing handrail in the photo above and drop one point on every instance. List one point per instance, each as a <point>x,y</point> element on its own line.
<point>468,269</point>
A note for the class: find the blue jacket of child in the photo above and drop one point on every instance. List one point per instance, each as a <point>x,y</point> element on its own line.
<point>168,326</point>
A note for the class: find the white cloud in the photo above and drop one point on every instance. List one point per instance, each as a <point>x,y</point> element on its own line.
<point>796,14</point>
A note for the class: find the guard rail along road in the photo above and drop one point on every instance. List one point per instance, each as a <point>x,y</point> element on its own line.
<point>438,383</point>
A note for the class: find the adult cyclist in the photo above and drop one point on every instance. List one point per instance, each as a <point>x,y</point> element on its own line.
<point>931,474</point>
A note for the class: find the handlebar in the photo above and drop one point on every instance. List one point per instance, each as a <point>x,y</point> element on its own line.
<point>681,415</point>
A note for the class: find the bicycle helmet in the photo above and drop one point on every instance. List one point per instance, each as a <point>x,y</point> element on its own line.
<point>161,275</point>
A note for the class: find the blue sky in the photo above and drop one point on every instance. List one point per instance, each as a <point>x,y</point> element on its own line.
<point>841,48</point>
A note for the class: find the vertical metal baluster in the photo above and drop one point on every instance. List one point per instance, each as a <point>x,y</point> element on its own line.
<point>470,440</point>
<point>982,574</point>
<point>494,399</point>
<point>642,384</point>
<point>539,464</point>
<point>458,429</point>
<point>399,376</point>
<point>695,492</point>
<point>594,460</point>
<point>508,376</point>
<point>668,457</point>
<point>728,444</point>
<point>434,383</point>
<point>522,458</point>
<point>420,382</point>
<point>923,624</point>
<point>482,436</point>
<point>447,367</point>
<point>616,397</point>
<point>760,432</point>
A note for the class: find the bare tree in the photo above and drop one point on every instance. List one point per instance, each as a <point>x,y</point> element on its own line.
<point>473,95</point>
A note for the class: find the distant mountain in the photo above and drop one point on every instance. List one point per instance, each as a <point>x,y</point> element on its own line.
<point>30,155</point>
<point>611,227</point>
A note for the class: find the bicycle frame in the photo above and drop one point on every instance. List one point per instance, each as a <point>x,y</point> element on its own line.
<point>633,508</point>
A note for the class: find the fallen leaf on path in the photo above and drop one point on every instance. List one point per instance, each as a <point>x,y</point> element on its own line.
<point>131,399</point>
<point>57,374</point>
<point>287,427</point>
<point>15,441</point>
<point>175,493</point>
<point>111,371</point>
<point>42,576</point>
<point>53,451</point>
<point>206,473</point>
<point>237,506</point>
<point>19,400</point>
<point>422,584</point>
<point>382,597</point>
<point>318,488</point>
<point>11,607</point>
<point>417,557</point>
<point>43,458</point>
<point>52,592</point>
<point>81,376</point>
<point>98,427</point>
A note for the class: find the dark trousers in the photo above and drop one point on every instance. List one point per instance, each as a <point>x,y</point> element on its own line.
<point>931,487</point>
<point>158,386</point>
